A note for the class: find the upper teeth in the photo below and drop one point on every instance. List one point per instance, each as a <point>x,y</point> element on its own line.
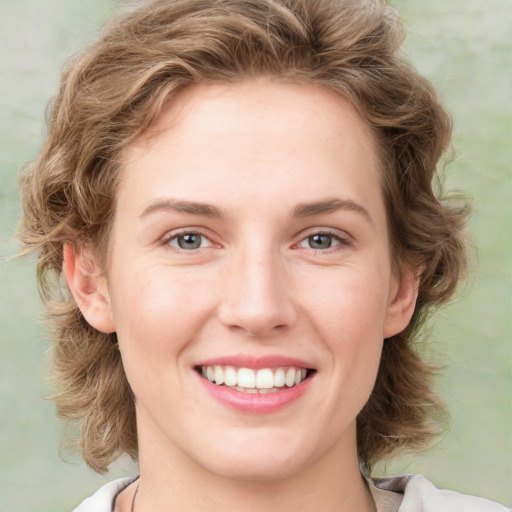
<point>264,378</point>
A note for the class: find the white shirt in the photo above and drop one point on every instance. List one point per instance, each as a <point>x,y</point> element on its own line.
<point>409,493</point>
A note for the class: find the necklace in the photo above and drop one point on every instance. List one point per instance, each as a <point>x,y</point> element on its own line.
<point>134,496</point>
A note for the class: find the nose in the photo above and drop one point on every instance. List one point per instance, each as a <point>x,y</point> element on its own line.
<point>257,296</point>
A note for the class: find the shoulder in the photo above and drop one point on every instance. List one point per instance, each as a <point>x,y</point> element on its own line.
<point>103,499</point>
<point>420,495</point>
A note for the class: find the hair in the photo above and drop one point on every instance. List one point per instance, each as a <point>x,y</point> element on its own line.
<point>117,87</point>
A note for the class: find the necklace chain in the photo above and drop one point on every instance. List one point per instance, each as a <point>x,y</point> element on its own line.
<point>134,496</point>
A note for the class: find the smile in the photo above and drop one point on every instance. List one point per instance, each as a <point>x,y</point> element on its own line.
<point>247,380</point>
<point>255,384</point>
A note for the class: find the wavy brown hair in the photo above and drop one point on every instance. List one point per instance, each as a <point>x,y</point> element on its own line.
<point>116,88</point>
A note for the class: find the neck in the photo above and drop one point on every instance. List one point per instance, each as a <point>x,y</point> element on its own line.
<point>331,484</point>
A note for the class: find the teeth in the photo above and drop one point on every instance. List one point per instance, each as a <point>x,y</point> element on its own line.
<point>230,376</point>
<point>279,378</point>
<point>246,378</point>
<point>264,380</point>
<point>290,377</point>
<point>219,375</point>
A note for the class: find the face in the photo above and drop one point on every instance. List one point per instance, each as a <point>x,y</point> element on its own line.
<point>250,280</point>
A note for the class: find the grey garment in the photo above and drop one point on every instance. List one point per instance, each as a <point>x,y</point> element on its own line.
<point>420,495</point>
<point>409,493</point>
<point>103,500</point>
<point>385,500</point>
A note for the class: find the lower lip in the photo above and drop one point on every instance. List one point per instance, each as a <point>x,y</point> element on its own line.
<point>255,403</point>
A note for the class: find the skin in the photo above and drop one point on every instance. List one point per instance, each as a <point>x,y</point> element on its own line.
<point>257,285</point>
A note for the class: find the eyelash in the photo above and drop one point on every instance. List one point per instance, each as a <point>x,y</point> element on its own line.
<point>175,237</point>
<point>340,241</point>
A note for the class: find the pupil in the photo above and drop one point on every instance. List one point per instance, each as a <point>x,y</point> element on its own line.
<point>189,241</point>
<point>320,241</point>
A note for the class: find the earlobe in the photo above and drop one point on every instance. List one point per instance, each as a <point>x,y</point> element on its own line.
<point>88,287</point>
<point>402,302</point>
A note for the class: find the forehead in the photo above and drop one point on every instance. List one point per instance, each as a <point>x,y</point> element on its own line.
<point>274,105</point>
<point>253,131</point>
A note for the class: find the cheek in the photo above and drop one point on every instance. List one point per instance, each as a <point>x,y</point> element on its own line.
<point>350,318</point>
<point>354,304</point>
<point>153,317</point>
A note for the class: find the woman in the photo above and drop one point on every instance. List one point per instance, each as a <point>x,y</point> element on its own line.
<point>238,195</point>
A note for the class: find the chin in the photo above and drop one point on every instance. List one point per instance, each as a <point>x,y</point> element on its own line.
<point>259,470</point>
<point>257,461</point>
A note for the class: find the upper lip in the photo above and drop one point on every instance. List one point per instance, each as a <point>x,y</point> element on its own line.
<point>255,362</point>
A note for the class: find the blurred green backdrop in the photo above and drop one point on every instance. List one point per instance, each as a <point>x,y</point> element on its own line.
<point>464,47</point>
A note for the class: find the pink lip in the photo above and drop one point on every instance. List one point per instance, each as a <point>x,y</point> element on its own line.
<point>255,403</point>
<point>255,362</point>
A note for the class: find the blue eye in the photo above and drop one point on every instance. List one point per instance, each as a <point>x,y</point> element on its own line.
<point>189,241</point>
<point>320,241</point>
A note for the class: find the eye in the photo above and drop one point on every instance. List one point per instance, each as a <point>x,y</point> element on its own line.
<point>189,241</point>
<point>322,241</point>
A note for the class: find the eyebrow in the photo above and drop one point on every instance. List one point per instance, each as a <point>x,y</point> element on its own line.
<point>301,210</point>
<point>330,206</point>
<point>190,207</point>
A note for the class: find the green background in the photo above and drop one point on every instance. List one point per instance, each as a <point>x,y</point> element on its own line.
<point>464,47</point>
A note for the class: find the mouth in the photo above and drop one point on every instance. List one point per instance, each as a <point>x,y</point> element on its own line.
<point>255,381</point>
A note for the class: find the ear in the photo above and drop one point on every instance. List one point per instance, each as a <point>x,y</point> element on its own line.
<point>88,287</point>
<point>402,301</point>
